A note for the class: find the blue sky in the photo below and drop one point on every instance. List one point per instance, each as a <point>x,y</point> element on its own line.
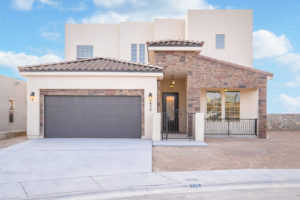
<point>32,31</point>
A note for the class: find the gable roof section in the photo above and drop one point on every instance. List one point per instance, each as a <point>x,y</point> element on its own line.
<point>250,69</point>
<point>97,64</point>
<point>174,43</point>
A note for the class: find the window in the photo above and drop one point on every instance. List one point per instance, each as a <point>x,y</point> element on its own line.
<point>214,105</point>
<point>133,52</point>
<point>232,105</point>
<point>11,108</point>
<point>84,51</point>
<point>142,53</point>
<point>220,41</point>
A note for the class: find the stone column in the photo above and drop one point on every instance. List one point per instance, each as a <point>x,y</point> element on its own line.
<point>262,111</point>
<point>193,100</point>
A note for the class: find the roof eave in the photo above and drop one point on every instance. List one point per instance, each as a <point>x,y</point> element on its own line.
<point>159,75</point>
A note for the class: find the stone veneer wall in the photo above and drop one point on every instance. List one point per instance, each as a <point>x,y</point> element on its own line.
<point>90,92</point>
<point>203,72</point>
<point>283,122</point>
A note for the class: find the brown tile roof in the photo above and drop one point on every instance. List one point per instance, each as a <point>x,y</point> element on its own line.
<point>97,64</point>
<point>174,43</point>
<point>235,65</point>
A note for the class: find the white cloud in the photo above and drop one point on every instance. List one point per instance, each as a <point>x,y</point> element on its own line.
<point>295,82</point>
<point>141,10</point>
<point>266,44</point>
<point>190,4</point>
<point>53,36</point>
<point>27,4</point>
<point>13,60</point>
<point>291,60</point>
<point>109,3</point>
<point>49,2</point>
<point>292,104</point>
<point>22,4</point>
<point>70,20</point>
<point>110,17</point>
<point>80,7</point>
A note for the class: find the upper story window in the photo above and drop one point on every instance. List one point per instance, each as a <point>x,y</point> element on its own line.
<point>142,53</point>
<point>232,105</point>
<point>84,51</point>
<point>138,52</point>
<point>220,41</point>
<point>11,108</point>
<point>214,108</point>
<point>133,52</point>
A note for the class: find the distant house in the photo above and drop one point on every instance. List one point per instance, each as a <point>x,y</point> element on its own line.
<point>12,107</point>
<point>176,67</point>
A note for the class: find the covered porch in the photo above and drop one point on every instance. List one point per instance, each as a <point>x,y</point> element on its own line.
<point>225,111</point>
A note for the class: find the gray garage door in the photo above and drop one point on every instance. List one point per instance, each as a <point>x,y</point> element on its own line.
<point>92,117</point>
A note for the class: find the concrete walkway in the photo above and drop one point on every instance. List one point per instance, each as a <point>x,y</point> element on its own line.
<point>110,186</point>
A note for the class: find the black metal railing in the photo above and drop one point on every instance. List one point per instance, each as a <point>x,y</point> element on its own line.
<point>179,125</point>
<point>230,127</point>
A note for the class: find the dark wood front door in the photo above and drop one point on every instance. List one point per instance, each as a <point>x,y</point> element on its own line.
<point>170,112</point>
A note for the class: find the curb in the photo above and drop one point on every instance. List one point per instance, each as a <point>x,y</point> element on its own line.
<point>164,189</point>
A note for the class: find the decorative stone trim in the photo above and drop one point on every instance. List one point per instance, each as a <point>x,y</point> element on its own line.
<point>90,92</point>
<point>283,122</point>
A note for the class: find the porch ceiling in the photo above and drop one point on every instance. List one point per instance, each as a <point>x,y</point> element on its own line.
<point>177,75</point>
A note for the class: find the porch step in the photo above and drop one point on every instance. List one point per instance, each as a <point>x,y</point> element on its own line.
<point>176,136</point>
<point>178,143</point>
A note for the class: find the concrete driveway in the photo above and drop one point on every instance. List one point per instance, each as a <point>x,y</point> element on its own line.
<point>63,158</point>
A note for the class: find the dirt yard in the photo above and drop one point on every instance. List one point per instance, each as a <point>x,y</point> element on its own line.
<point>280,150</point>
<point>11,141</point>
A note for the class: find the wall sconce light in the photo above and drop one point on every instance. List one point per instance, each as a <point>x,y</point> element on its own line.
<point>32,96</point>
<point>150,100</point>
<point>225,90</point>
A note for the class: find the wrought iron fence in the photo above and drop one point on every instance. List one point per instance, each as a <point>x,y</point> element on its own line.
<point>230,127</point>
<point>179,125</point>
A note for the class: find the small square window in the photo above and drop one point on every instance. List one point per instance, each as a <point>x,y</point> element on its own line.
<point>84,51</point>
<point>220,41</point>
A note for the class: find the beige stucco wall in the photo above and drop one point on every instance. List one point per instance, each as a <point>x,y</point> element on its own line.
<point>134,33</point>
<point>168,29</point>
<point>11,88</point>
<point>113,40</point>
<point>203,25</point>
<point>248,103</point>
<point>35,83</point>
<point>104,37</point>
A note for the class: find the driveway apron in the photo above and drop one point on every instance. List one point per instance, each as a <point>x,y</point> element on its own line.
<point>64,158</point>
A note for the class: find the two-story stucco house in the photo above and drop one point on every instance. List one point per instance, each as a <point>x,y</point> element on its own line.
<point>117,77</point>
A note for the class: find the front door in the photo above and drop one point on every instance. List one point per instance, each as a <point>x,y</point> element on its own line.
<point>170,112</point>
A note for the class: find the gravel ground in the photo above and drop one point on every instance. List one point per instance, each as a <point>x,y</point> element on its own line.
<point>280,150</point>
<point>11,141</point>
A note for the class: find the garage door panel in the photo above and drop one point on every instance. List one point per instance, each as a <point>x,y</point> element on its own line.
<point>93,116</point>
